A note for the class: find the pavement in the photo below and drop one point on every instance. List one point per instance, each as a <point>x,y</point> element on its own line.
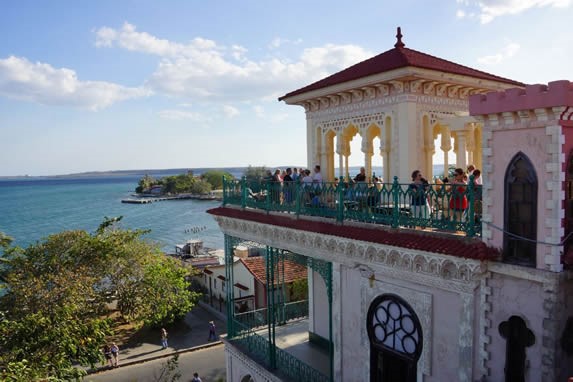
<point>188,335</point>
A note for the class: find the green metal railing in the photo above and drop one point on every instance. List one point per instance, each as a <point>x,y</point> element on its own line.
<point>445,207</point>
<point>258,348</point>
<point>285,312</point>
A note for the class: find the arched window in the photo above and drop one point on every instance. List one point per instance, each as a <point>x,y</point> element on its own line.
<point>520,214</point>
<point>247,378</point>
<point>395,340</point>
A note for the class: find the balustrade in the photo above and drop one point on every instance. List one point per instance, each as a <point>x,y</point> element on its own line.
<point>440,206</point>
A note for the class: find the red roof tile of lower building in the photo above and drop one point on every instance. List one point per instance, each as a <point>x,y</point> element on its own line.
<point>292,271</point>
<point>471,248</point>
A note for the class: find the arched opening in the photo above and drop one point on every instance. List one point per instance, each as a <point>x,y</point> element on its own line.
<point>396,340</point>
<point>373,161</point>
<point>247,378</point>
<point>520,212</point>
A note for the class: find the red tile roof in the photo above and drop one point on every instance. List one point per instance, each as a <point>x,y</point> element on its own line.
<point>471,248</point>
<point>399,57</point>
<point>292,270</point>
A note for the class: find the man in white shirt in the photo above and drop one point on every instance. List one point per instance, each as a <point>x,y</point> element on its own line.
<point>317,177</point>
<point>306,179</point>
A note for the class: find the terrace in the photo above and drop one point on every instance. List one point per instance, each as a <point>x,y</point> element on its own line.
<point>392,204</point>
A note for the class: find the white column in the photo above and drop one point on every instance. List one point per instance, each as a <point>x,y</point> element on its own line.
<point>368,152</point>
<point>470,145</point>
<point>461,150</point>
<point>446,146</point>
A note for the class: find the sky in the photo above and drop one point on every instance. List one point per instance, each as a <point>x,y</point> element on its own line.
<point>118,85</point>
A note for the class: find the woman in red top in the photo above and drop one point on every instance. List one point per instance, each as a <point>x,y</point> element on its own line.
<point>458,200</point>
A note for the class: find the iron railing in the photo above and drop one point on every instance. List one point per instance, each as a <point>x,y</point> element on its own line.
<point>284,312</point>
<point>444,207</point>
<point>259,349</point>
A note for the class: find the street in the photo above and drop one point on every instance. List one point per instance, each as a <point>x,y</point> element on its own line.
<point>209,363</point>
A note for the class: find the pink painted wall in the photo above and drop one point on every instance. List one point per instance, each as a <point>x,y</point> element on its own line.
<point>556,93</point>
<point>523,298</point>
<point>505,145</point>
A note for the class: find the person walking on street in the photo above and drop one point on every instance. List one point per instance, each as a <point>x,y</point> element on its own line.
<point>164,338</point>
<point>196,378</point>
<point>212,335</point>
<point>115,354</point>
<point>107,354</point>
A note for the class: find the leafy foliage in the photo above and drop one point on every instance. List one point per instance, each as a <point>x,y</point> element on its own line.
<point>253,173</point>
<point>53,314</point>
<point>176,184</point>
<point>215,178</point>
<point>299,290</point>
<point>145,183</point>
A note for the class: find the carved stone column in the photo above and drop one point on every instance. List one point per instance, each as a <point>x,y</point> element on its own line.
<point>446,146</point>
<point>461,150</point>
<point>368,151</point>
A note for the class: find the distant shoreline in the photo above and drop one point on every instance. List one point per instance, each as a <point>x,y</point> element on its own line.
<point>141,172</point>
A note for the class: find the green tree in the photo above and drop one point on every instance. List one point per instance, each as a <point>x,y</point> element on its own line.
<point>215,178</point>
<point>299,290</point>
<point>255,173</point>
<point>52,315</point>
<point>145,184</point>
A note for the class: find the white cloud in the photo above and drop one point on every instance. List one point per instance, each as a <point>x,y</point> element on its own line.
<point>507,52</point>
<point>180,115</point>
<point>39,82</point>
<point>277,42</point>
<point>230,111</point>
<point>460,14</point>
<point>203,69</point>
<point>490,9</point>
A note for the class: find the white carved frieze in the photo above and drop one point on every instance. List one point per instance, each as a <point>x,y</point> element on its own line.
<point>397,86</point>
<point>416,86</point>
<point>441,89</point>
<point>383,89</point>
<point>429,87</point>
<point>448,272</point>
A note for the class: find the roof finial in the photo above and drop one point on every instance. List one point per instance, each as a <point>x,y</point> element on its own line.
<point>399,43</point>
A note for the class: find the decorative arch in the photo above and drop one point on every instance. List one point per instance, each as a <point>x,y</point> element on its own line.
<point>520,212</point>
<point>396,339</point>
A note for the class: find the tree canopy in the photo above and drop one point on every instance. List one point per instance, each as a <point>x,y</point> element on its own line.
<point>53,313</point>
<point>175,184</point>
<point>215,178</point>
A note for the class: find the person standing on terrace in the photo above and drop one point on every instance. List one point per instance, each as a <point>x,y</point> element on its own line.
<point>317,176</point>
<point>418,198</point>
<point>288,186</point>
<point>458,199</point>
<point>361,177</point>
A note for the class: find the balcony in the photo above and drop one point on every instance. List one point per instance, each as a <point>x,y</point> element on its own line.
<point>447,208</point>
<point>292,357</point>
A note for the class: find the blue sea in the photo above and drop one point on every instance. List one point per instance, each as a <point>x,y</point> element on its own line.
<point>32,209</point>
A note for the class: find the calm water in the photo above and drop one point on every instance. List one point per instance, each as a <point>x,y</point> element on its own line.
<point>33,209</point>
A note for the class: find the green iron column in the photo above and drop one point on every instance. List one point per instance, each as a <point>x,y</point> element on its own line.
<point>271,317</point>
<point>229,286</point>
